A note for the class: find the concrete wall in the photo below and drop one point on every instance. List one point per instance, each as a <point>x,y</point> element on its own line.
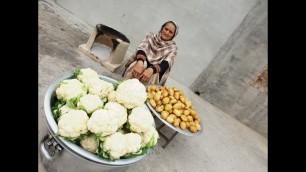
<point>205,25</point>
<point>226,81</point>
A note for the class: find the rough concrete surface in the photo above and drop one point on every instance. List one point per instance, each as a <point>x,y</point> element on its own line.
<point>225,144</point>
<point>226,81</point>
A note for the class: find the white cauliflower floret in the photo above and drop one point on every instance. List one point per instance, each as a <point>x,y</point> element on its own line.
<point>100,87</point>
<point>70,88</point>
<point>112,96</point>
<point>73,124</point>
<point>87,74</point>
<point>133,142</point>
<point>131,93</point>
<point>140,119</point>
<point>65,109</point>
<point>90,103</point>
<point>116,145</point>
<point>147,135</point>
<point>120,112</point>
<point>89,143</point>
<point>103,122</point>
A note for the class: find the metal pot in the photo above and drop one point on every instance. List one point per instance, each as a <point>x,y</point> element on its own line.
<point>58,154</point>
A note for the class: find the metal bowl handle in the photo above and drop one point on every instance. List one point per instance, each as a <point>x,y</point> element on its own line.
<point>50,149</point>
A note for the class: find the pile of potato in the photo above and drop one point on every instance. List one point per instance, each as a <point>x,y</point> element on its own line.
<point>174,107</point>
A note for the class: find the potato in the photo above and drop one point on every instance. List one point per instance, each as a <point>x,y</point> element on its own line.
<point>149,95</point>
<point>193,129</point>
<point>162,89</point>
<point>158,103</point>
<point>177,95</point>
<point>152,103</point>
<point>171,92</point>
<point>159,108</point>
<point>198,126</point>
<point>150,88</point>
<point>177,112</point>
<point>176,122</point>
<point>181,111</point>
<point>177,106</point>
<point>173,101</point>
<point>187,103</point>
<point>196,117</point>
<point>164,114</point>
<point>187,124</point>
<point>168,107</point>
<point>170,120</point>
<point>157,97</point>
<point>156,88</point>
<point>172,116</point>
<point>181,93</point>
<point>165,93</point>
<point>186,112</point>
<point>183,125</point>
<point>192,123</point>
<point>165,100</point>
<point>182,99</point>
<point>189,118</point>
<point>175,89</point>
<point>184,118</point>
<point>193,112</point>
<point>196,121</point>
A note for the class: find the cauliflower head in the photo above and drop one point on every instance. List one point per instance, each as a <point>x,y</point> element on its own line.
<point>112,96</point>
<point>120,112</point>
<point>103,122</point>
<point>65,109</point>
<point>73,124</point>
<point>70,88</point>
<point>147,135</point>
<point>140,119</point>
<point>89,103</point>
<point>100,87</point>
<point>116,145</point>
<point>89,143</point>
<point>131,93</point>
<point>134,141</point>
<point>86,74</point>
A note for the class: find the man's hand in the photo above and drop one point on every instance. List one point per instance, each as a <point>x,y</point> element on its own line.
<point>137,70</point>
<point>146,75</point>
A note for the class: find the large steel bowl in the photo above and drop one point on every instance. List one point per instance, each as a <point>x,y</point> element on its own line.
<point>74,149</point>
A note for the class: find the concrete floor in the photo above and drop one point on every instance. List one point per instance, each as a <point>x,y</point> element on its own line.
<point>225,144</point>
